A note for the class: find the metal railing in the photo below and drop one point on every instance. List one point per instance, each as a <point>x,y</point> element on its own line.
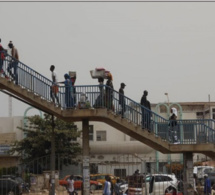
<point>102,96</point>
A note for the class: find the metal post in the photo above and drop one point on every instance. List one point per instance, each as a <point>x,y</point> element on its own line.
<point>52,192</point>
<point>86,158</point>
<point>145,177</point>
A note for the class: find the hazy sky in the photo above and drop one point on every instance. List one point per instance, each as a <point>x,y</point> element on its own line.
<point>161,47</point>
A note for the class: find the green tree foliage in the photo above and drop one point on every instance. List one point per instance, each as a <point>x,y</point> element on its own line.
<point>37,140</point>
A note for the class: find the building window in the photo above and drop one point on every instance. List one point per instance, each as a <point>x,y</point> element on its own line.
<point>120,173</point>
<point>213,113</point>
<point>100,135</point>
<point>91,132</point>
<point>199,115</point>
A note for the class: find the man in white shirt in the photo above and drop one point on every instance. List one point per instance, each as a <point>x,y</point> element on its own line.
<point>54,87</point>
<point>70,186</point>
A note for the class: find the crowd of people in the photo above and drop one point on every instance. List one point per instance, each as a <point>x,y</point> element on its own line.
<point>104,99</point>
<point>11,71</point>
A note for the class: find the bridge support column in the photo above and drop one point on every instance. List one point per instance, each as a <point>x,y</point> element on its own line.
<point>52,190</point>
<point>188,173</point>
<point>86,158</point>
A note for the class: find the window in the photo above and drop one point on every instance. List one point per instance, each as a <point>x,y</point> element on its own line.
<point>158,178</point>
<point>120,173</point>
<point>213,113</point>
<point>199,115</point>
<point>91,132</point>
<point>165,178</point>
<point>101,136</point>
<point>101,177</point>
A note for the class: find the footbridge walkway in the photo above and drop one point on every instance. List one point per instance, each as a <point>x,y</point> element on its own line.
<point>34,89</point>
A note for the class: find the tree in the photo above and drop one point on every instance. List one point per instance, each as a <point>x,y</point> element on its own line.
<point>37,140</point>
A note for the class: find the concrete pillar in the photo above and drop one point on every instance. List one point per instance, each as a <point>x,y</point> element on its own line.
<point>188,173</point>
<point>52,191</point>
<point>86,158</point>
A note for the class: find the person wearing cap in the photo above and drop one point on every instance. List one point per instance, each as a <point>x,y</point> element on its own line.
<point>122,99</point>
<point>207,185</point>
<point>146,111</point>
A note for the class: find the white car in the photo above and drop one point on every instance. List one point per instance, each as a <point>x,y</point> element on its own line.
<point>156,184</point>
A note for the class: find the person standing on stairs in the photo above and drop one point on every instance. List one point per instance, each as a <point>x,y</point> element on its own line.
<point>2,58</point>
<point>122,99</point>
<point>54,87</point>
<point>13,63</point>
<point>173,126</point>
<point>109,92</point>
<point>69,102</point>
<point>146,111</point>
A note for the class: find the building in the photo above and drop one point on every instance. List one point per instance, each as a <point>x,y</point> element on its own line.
<point>112,151</point>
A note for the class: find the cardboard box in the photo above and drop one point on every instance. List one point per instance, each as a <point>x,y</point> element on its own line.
<point>72,74</point>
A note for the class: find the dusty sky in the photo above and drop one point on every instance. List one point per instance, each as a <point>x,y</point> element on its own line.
<point>158,46</point>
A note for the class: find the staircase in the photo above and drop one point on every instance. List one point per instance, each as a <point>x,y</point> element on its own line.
<point>34,89</point>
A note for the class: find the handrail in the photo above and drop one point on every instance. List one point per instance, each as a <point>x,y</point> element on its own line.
<point>102,96</point>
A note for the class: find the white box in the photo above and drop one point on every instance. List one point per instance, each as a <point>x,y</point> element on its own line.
<point>97,74</point>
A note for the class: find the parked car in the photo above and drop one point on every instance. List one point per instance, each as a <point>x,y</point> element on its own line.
<point>24,185</point>
<point>101,178</point>
<point>10,186</point>
<point>200,171</point>
<point>156,184</point>
<point>78,182</point>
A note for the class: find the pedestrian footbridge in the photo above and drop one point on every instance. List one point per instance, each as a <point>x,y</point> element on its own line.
<point>34,89</point>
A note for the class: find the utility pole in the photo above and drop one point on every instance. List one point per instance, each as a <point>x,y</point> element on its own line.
<point>52,190</point>
<point>86,157</point>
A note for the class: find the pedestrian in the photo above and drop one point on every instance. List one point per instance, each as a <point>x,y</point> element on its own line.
<point>107,186</point>
<point>2,58</point>
<point>117,189</point>
<point>100,99</point>
<point>173,125</point>
<point>73,79</point>
<point>146,111</point>
<point>122,99</point>
<point>70,187</point>
<point>68,91</point>
<point>109,92</point>
<point>13,63</point>
<point>207,185</point>
<point>54,87</point>
<point>111,185</point>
